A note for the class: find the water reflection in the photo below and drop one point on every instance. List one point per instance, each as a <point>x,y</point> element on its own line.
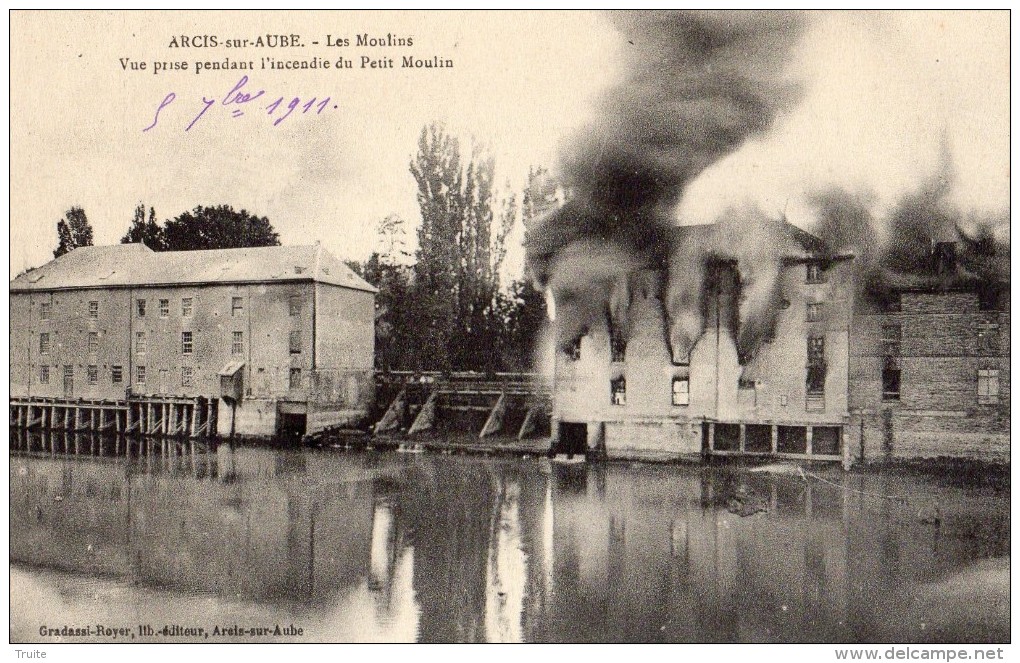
<point>437,548</point>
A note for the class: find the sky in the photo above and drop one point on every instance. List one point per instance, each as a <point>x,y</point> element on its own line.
<point>885,96</point>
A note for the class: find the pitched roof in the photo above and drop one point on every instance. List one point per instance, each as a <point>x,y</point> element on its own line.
<point>125,265</point>
<point>768,230</point>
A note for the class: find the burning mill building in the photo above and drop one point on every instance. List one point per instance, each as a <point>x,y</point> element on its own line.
<point>860,339</point>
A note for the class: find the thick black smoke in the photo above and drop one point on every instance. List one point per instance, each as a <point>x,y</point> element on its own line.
<point>697,85</point>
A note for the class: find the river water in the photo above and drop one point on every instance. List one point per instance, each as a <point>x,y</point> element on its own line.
<point>335,546</point>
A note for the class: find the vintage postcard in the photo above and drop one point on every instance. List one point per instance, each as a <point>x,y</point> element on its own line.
<point>511,326</point>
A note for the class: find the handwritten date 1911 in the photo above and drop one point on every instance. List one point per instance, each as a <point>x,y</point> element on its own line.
<point>241,98</point>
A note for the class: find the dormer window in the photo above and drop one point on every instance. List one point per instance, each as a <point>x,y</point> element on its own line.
<point>815,273</point>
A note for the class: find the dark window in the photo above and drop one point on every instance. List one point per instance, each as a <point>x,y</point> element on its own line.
<point>236,305</point>
<point>890,383</point>
<point>617,343</point>
<point>744,383</point>
<point>573,351</point>
<point>141,344</point>
<point>140,374</point>
<point>295,342</point>
<point>44,343</point>
<point>988,338</point>
<point>94,310</point>
<point>116,374</point>
<point>187,375</point>
<point>295,305</point>
<point>237,346</point>
<point>164,308</point>
<point>187,307</point>
<point>893,303</point>
<point>295,378</point>
<point>814,312</point>
<point>44,374</point>
<point>93,342</point>
<point>619,389</point>
<point>816,365</point>
<point>141,308</point>
<point>187,344</point>
<point>93,374</point>
<point>681,391</point>
<point>44,311</point>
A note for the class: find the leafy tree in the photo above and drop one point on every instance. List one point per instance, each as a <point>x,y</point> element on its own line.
<point>145,232</point>
<point>73,231</point>
<point>219,227</point>
<point>461,246</point>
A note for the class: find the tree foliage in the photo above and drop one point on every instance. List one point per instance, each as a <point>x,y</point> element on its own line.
<point>219,227</point>
<point>148,232</point>
<point>461,247</point>
<point>73,231</point>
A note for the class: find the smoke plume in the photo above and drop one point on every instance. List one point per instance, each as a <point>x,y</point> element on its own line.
<point>697,86</point>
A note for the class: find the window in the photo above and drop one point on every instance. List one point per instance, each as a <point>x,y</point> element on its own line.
<point>744,383</point>
<point>295,305</point>
<point>44,343</point>
<point>573,350</point>
<point>141,344</point>
<point>619,389</point>
<point>814,312</point>
<point>815,273</point>
<point>617,343</point>
<point>93,342</point>
<point>237,305</point>
<point>187,345</point>
<point>681,391</point>
<point>141,308</point>
<point>816,365</point>
<point>187,307</point>
<point>93,374</point>
<point>94,310</point>
<point>187,376</point>
<point>237,347</point>
<point>892,336</point>
<point>68,373</point>
<point>44,311</point>
<point>295,342</point>
<point>295,378</point>
<point>890,382</point>
<point>139,374</point>
<point>116,374</point>
<point>893,303</point>
<point>298,269</point>
<point>44,374</point>
<point>988,338</point>
<point>164,308</point>
<point>988,386</point>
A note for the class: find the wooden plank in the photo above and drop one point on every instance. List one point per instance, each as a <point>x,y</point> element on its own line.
<point>495,421</point>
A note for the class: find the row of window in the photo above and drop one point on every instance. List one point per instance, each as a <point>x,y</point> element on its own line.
<point>187,343</point>
<point>187,307</point>
<point>681,391</point>
<point>117,375</point>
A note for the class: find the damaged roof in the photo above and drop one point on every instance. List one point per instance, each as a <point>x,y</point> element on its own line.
<point>126,265</point>
<point>781,232</point>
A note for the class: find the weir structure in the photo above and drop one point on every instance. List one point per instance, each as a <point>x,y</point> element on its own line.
<point>481,404</point>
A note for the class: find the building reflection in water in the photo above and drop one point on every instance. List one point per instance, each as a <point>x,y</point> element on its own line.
<point>449,549</point>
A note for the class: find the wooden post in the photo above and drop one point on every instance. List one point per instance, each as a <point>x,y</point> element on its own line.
<point>711,437</point>
<point>92,419</point>
<point>743,438</point>
<point>194,418</point>
<point>209,430</point>
<point>148,419</point>
<point>528,425</point>
<point>808,443</point>
<point>495,421</point>
<point>172,419</point>
<point>775,439</point>
<point>77,425</point>
<point>844,449</point>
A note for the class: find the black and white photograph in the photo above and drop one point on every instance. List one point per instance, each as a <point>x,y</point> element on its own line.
<point>561,327</point>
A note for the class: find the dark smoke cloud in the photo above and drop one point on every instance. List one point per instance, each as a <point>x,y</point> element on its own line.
<point>697,86</point>
<point>923,242</point>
